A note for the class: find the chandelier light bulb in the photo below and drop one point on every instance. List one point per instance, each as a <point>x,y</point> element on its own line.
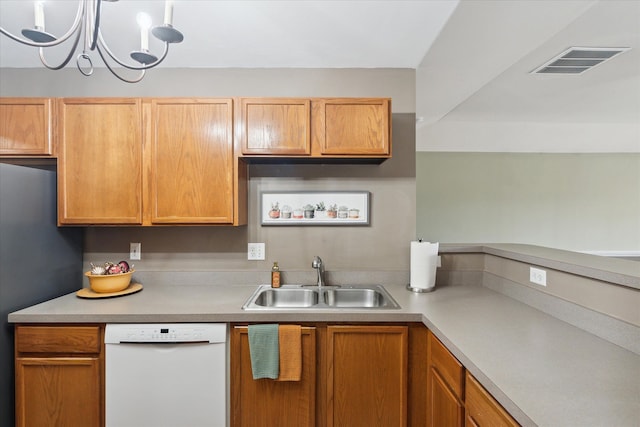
<point>144,20</point>
<point>168,12</point>
<point>87,23</point>
<point>38,10</point>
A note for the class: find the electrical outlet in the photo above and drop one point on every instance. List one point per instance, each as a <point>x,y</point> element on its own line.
<point>135,251</point>
<point>537,276</point>
<point>255,251</point>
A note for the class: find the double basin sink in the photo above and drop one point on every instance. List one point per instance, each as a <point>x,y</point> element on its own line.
<point>294,297</point>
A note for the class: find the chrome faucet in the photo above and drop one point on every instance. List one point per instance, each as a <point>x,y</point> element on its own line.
<point>319,266</point>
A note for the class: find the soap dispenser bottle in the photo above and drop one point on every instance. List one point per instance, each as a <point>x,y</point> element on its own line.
<point>275,275</point>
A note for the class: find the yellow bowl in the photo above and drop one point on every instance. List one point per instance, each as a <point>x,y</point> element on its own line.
<point>109,282</point>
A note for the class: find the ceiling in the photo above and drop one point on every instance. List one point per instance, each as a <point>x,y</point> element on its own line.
<point>472,57</point>
<point>254,34</point>
<point>475,90</point>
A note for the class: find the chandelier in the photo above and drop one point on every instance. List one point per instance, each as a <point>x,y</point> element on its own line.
<point>87,22</point>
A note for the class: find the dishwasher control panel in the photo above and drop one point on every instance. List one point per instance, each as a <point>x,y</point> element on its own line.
<point>165,332</point>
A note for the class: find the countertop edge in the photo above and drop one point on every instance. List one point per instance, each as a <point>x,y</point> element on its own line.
<point>613,270</point>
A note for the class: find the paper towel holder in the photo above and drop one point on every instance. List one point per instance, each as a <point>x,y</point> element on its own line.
<point>420,290</point>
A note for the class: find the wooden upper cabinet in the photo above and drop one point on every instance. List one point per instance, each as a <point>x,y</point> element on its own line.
<point>275,126</point>
<point>26,127</point>
<point>192,161</point>
<point>352,127</point>
<point>315,127</point>
<point>129,161</point>
<point>99,161</point>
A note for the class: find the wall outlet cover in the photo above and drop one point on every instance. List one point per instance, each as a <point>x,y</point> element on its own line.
<point>135,251</point>
<point>538,276</point>
<point>255,251</point>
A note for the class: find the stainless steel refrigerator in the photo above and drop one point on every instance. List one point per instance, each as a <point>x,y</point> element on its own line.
<point>38,260</point>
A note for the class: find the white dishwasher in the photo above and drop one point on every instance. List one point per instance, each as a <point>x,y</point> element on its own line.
<point>166,375</point>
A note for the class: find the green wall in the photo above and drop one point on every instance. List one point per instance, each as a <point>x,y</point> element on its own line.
<point>584,202</point>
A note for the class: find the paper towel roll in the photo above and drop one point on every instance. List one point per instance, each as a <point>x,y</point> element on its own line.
<point>424,262</point>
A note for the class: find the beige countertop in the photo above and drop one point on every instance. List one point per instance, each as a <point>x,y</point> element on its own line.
<point>542,370</point>
<point>613,270</point>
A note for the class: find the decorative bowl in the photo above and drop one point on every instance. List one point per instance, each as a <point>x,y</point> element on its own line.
<point>108,283</point>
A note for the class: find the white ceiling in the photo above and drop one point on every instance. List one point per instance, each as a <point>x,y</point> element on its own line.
<point>472,57</point>
<point>255,34</point>
<point>476,92</point>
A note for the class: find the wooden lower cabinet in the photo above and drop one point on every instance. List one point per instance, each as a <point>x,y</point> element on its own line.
<point>445,380</point>
<point>455,398</point>
<point>446,408</point>
<point>482,409</point>
<point>367,375</point>
<point>59,376</point>
<point>353,375</point>
<point>265,402</point>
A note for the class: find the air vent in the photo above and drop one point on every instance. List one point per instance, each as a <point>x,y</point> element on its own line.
<point>577,60</point>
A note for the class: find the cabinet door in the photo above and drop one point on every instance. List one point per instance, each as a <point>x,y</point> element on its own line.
<point>192,161</point>
<point>25,127</point>
<point>367,376</point>
<point>445,387</point>
<point>100,161</point>
<point>444,408</point>
<point>482,410</point>
<point>275,126</point>
<point>352,127</point>
<point>58,392</point>
<point>59,373</point>
<point>269,403</point>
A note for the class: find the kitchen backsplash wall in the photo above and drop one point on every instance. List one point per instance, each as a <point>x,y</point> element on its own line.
<point>381,246</point>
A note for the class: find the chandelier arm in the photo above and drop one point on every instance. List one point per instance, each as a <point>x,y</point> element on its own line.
<point>96,24</point>
<point>103,44</point>
<point>73,29</point>
<point>136,80</point>
<point>67,59</point>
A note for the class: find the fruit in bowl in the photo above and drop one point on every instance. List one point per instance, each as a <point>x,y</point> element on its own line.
<point>110,277</point>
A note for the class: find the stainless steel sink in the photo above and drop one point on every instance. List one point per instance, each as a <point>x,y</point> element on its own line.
<point>305,297</point>
<point>286,298</point>
<point>357,298</point>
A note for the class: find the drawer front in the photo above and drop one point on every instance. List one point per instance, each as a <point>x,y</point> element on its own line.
<point>482,409</point>
<point>58,339</point>
<point>451,371</point>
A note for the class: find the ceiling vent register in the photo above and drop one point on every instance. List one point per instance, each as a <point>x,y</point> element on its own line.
<point>577,60</point>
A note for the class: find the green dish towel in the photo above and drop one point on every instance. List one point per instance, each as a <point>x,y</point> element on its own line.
<point>264,350</point>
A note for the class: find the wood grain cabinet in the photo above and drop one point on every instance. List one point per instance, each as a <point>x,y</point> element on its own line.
<point>315,127</point>
<point>455,398</point>
<point>352,127</point>
<point>128,161</point>
<point>275,126</point>
<point>353,375</point>
<point>59,376</point>
<point>367,376</point>
<point>445,394</point>
<point>26,127</point>
<point>192,167</point>
<point>482,410</point>
<point>100,161</point>
<point>265,402</point>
